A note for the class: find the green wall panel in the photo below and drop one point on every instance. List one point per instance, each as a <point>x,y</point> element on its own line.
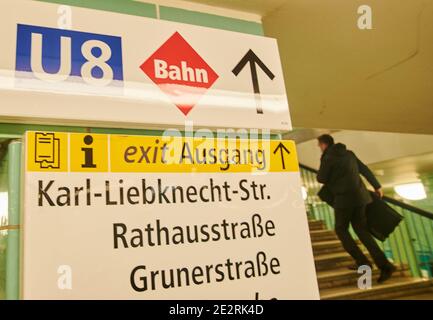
<point>16,130</point>
<point>167,13</point>
<point>121,6</point>
<point>210,20</point>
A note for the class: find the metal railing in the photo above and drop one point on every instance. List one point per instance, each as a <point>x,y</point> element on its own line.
<point>410,246</point>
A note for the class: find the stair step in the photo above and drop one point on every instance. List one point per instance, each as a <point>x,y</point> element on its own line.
<point>392,289</point>
<point>330,261</point>
<point>336,281</point>
<point>428,295</point>
<point>316,225</point>
<point>328,246</point>
<point>343,277</point>
<point>322,235</point>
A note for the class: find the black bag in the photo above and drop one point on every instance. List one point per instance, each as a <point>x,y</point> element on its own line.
<point>382,219</point>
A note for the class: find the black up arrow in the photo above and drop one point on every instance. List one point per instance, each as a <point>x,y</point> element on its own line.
<point>282,148</point>
<point>251,58</point>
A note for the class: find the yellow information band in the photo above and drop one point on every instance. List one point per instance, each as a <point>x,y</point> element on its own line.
<point>87,152</point>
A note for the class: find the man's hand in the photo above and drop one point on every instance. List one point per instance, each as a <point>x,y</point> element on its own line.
<point>379,192</point>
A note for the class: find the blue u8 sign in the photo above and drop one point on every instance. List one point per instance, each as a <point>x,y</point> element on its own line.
<point>60,55</point>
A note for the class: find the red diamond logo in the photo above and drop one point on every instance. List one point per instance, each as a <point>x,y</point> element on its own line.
<point>180,72</point>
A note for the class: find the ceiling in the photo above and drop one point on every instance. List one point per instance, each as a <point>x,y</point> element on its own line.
<point>300,135</point>
<point>341,77</point>
<point>403,170</point>
<point>338,76</point>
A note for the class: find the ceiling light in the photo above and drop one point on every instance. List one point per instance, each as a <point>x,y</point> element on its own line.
<point>411,191</point>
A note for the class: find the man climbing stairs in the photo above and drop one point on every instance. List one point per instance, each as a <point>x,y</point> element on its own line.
<point>336,281</point>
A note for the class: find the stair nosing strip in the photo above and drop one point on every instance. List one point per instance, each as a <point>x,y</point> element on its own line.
<point>355,292</point>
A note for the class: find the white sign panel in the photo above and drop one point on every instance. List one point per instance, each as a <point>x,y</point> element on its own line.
<point>122,70</point>
<point>130,217</point>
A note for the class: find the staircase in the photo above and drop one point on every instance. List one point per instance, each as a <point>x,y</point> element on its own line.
<point>336,281</point>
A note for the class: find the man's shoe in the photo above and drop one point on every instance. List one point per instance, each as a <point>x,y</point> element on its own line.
<point>356,266</point>
<point>386,273</point>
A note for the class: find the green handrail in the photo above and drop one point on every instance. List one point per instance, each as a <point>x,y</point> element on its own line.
<point>410,245</point>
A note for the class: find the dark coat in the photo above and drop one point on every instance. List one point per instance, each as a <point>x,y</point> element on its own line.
<point>381,218</point>
<point>340,172</point>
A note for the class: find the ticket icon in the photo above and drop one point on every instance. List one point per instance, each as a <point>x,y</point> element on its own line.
<point>47,150</point>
